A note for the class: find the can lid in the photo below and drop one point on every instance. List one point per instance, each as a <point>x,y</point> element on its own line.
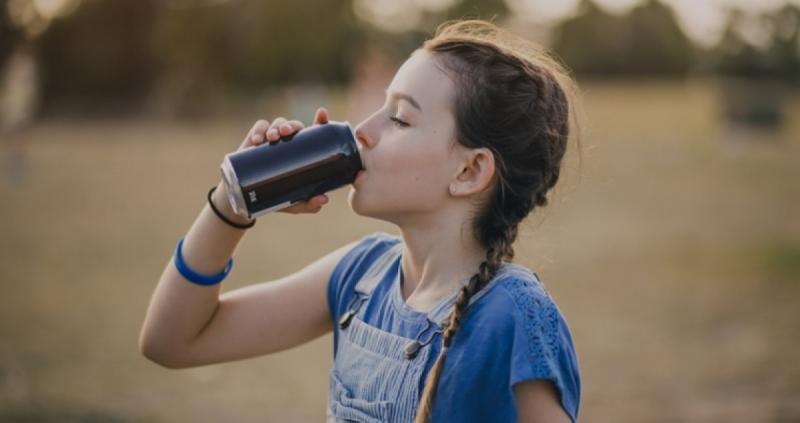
<point>235,194</point>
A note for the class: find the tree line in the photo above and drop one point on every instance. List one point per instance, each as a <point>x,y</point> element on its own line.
<point>116,53</point>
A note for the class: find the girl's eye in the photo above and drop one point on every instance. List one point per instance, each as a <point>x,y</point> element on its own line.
<point>398,122</point>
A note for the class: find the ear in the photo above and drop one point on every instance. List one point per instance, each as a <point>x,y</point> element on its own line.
<point>474,174</point>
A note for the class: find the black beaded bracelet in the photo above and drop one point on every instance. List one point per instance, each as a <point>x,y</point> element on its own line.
<point>225,219</point>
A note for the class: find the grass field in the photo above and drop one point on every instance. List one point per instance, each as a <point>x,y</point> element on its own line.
<point>673,252</point>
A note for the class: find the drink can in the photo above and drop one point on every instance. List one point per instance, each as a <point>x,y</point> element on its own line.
<point>273,176</point>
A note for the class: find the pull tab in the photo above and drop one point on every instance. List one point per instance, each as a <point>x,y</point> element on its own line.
<point>344,321</point>
<point>412,349</point>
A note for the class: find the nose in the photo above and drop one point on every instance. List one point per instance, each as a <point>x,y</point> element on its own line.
<point>362,145</point>
<point>362,139</point>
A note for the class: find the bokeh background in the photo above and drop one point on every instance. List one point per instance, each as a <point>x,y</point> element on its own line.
<point>672,242</point>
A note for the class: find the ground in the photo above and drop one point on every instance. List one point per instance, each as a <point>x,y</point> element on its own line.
<point>673,252</point>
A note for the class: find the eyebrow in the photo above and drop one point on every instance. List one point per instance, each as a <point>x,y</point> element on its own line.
<point>406,97</point>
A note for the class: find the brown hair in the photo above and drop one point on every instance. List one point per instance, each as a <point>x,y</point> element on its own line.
<point>516,100</point>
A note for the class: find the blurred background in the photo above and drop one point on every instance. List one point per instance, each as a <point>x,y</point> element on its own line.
<point>671,244</point>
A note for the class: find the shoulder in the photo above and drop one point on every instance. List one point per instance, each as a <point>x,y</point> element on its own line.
<point>541,345</point>
<point>377,240</point>
<point>519,296</point>
<point>364,252</point>
<point>531,304</point>
<point>534,314</point>
<point>517,304</point>
<point>521,285</point>
<point>355,262</point>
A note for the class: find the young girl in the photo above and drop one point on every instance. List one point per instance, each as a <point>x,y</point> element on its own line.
<point>436,324</point>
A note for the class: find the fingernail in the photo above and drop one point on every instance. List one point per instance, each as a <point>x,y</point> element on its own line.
<point>286,127</point>
<point>273,133</point>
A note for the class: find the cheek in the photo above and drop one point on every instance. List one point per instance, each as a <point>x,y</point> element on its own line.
<point>415,170</point>
<point>402,180</point>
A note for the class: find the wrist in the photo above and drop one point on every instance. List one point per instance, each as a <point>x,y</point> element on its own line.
<point>219,198</point>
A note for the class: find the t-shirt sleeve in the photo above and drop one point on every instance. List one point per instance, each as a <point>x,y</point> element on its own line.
<point>352,265</point>
<point>542,347</point>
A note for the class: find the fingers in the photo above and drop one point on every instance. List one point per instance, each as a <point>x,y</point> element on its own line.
<point>291,127</point>
<point>314,205</point>
<point>272,133</point>
<point>256,134</point>
<point>321,116</point>
<point>264,131</point>
<point>282,128</point>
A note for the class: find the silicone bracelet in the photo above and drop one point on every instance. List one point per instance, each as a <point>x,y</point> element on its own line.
<point>195,277</point>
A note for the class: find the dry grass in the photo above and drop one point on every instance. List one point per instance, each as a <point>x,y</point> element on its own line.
<point>675,259</point>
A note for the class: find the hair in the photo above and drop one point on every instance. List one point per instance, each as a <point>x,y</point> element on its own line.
<point>515,99</point>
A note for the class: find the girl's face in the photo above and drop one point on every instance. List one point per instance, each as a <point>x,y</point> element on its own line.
<point>408,146</point>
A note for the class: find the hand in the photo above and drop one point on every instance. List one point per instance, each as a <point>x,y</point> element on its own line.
<point>263,132</point>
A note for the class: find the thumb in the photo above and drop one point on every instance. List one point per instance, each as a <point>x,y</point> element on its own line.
<point>321,116</point>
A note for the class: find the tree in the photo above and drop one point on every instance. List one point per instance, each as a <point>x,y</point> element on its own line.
<point>646,41</point>
<point>101,55</point>
<point>778,60</point>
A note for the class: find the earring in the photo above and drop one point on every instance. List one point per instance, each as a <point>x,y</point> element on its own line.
<point>452,189</point>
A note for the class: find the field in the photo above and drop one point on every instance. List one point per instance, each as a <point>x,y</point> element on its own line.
<point>673,250</point>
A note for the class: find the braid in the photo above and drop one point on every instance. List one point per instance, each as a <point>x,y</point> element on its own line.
<point>486,272</point>
<point>541,195</point>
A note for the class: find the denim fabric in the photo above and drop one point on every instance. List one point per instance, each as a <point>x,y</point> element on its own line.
<point>512,332</point>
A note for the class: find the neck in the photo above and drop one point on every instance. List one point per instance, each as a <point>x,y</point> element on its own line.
<point>437,258</point>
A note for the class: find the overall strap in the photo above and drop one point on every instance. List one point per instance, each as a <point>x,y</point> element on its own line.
<point>369,281</point>
<point>377,270</point>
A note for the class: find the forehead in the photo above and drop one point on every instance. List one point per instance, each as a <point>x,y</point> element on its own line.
<point>420,78</point>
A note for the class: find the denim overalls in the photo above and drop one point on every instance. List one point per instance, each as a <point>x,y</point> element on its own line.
<point>376,374</point>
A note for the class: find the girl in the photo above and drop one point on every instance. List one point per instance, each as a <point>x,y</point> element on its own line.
<point>468,143</point>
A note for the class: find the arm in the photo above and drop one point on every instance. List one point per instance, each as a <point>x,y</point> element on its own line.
<point>537,402</point>
<point>191,325</point>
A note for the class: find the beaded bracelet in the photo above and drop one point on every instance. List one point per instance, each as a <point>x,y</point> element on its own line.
<point>195,277</point>
<point>222,216</point>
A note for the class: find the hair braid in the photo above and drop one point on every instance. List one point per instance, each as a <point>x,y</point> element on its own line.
<point>487,271</point>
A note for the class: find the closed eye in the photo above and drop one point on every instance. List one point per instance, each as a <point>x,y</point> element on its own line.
<point>398,122</point>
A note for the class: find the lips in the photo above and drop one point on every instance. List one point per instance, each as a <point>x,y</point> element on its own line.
<point>361,159</point>
<point>363,165</point>
<point>359,175</point>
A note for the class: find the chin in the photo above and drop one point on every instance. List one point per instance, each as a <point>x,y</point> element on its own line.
<point>355,202</point>
<point>361,207</point>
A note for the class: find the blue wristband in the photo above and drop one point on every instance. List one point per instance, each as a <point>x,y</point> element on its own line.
<point>195,277</point>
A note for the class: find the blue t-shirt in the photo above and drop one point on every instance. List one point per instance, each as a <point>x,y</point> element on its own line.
<point>512,333</point>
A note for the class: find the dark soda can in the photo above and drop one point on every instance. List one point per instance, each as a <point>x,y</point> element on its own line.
<point>310,162</point>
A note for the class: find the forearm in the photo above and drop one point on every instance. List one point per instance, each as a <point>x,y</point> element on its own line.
<point>179,309</point>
